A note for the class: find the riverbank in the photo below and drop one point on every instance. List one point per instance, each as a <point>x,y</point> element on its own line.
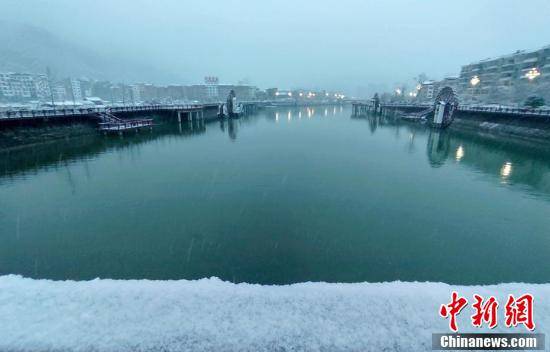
<point>522,128</point>
<point>22,137</point>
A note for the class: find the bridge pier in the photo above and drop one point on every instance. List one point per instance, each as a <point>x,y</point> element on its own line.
<point>359,109</point>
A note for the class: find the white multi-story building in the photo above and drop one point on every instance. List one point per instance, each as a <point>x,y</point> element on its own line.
<point>6,91</point>
<point>427,91</point>
<point>507,78</point>
<point>23,86</point>
<point>76,89</point>
<point>212,92</point>
<point>136,96</point>
<point>59,93</point>
<point>42,87</point>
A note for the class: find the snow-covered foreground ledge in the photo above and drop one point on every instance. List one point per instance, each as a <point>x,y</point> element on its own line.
<point>212,315</point>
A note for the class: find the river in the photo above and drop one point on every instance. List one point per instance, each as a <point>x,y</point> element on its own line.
<point>287,195</point>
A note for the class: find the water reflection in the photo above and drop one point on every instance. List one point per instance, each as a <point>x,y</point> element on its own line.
<point>505,171</point>
<point>439,146</point>
<point>373,123</point>
<point>411,147</point>
<point>61,153</point>
<point>510,160</point>
<point>232,129</point>
<point>459,153</point>
<point>341,200</point>
<point>277,114</point>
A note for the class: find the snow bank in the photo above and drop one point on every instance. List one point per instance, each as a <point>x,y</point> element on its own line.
<point>212,315</point>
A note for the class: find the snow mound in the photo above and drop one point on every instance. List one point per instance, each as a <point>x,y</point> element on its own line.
<point>212,315</point>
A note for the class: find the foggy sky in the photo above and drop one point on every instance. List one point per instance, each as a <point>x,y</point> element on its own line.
<point>291,43</point>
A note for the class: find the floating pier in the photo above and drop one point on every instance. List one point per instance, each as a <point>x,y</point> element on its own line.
<point>112,124</point>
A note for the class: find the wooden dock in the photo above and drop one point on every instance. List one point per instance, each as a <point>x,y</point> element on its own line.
<point>118,127</point>
<point>112,124</point>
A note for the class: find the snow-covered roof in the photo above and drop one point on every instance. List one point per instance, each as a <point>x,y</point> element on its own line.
<point>93,99</point>
<point>518,52</point>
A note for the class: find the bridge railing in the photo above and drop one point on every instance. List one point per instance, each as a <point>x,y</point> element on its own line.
<point>81,111</point>
<point>404,105</point>
<point>505,110</point>
<point>481,109</point>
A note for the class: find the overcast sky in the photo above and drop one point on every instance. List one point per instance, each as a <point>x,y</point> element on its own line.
<point>293,43</point>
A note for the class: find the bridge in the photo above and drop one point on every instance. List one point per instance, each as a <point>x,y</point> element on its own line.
<point>27,114</point>
<point>119,118</point>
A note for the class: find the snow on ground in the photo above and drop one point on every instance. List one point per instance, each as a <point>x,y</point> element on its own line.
<point>212,315</point>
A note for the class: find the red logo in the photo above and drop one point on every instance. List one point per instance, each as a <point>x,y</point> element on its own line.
<point>453,309</point>
<point>485,312</point>
<point>520,311</point>
<point>517,311</point>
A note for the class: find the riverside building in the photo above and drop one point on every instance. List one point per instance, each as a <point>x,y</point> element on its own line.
<point>508,78</point>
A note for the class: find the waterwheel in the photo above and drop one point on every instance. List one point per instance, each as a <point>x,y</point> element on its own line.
<point>445,105</point>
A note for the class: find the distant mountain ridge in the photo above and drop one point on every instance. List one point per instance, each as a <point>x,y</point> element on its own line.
<point>31,49</point>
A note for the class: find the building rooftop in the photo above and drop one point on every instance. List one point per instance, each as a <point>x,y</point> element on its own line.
<point>517,52</point>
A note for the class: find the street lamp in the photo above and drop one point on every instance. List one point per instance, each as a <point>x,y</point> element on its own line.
<point>532,74</point>
<point>474,82</point>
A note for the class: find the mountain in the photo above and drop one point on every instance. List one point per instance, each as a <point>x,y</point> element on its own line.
<point>27,48</point>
